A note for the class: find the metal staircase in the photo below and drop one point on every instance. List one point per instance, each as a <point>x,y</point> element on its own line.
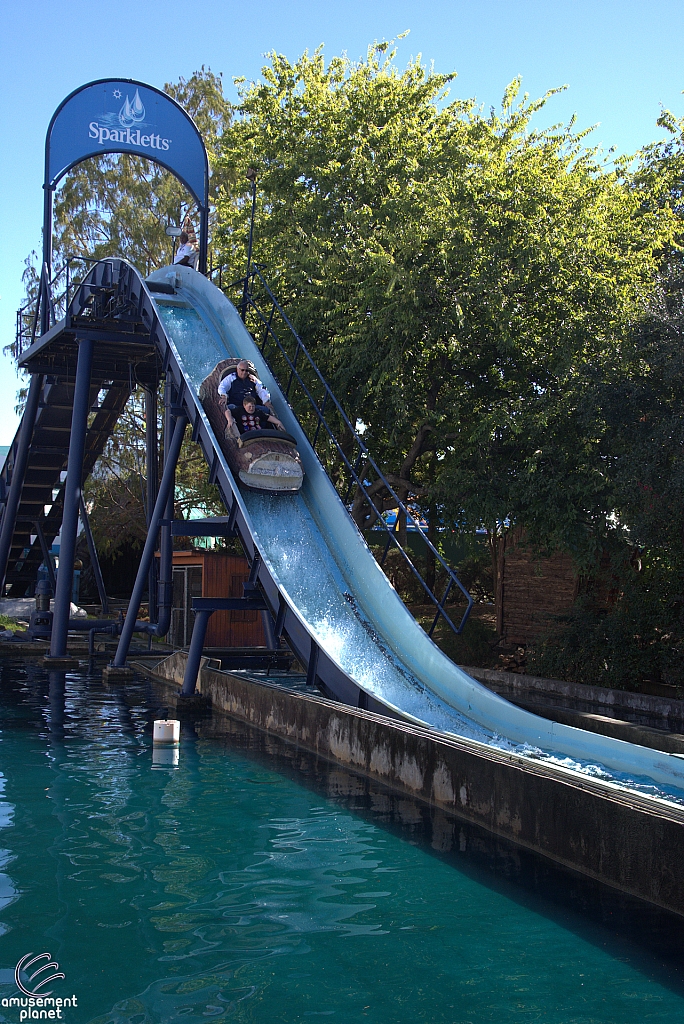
<point>111,311</point>
<point>41,505</point>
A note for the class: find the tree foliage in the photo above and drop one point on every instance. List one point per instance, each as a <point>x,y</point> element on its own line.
<point>635,402</point>
<point>116,491</point>
<point>460,276</point>
<point>499,305</point>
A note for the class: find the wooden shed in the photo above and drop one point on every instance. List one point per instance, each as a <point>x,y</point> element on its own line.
<point>533,589</point>
<point>201,573</point>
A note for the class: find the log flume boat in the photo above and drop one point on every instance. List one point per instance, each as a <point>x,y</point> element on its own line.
<point>266,460</point>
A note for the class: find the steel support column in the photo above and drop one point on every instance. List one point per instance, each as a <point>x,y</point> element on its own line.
<point>269,632</point>
<point>165,495</point>
<point>204,237</point>
<point>165,587</point>
<point>72,499</point>
<point>151,467</point>
<point>280,619</point>
<point>204,607</point>
<point>94,560</point>
<point>312,667</point>
<point>251,175</point>
<point>47,556</point>
<point>44,296</point>
<point>18,473</point>
<point>199,632</point>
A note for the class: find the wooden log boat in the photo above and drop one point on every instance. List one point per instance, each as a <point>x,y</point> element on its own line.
<point>263,460</point>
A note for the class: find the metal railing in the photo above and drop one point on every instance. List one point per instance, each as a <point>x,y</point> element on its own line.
<point>336,441</point>
<point>59,291</point>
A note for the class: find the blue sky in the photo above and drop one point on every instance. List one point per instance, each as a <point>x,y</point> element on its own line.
<point>620,60</point>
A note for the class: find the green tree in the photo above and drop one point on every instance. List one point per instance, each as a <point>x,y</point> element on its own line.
<point>457,275</point>
<point>636,401</point>
<point>116,491</point>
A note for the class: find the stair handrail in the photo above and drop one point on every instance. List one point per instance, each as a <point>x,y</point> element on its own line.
<point>28,315</point>
<point>364,454</point>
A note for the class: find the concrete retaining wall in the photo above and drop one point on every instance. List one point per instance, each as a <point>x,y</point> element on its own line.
<point>538,695</point>
<point>621,839</point>
<point>643,735</point>
<point>513,683</point>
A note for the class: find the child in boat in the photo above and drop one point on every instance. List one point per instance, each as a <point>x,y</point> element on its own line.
<point>254,417</point>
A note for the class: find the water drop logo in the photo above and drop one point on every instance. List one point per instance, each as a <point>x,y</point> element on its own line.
<point>25,965</point>
<point>132,113</point>
<point>126,125</point>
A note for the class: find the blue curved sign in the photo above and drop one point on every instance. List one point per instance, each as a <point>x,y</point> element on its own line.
<point>124,116</point>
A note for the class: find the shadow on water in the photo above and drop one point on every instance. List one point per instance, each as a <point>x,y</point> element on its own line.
<point>624,926</point>
<point>60,707</point>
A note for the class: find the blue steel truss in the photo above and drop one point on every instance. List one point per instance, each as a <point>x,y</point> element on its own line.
<point>110,324</point>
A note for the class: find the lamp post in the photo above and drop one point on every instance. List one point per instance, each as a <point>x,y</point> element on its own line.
<point>173,232</point>
<point>251,176</point>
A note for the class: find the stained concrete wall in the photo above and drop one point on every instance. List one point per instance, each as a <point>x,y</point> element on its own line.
<point>536,695</point>
<point>621,839</point>
<point>516,684</point>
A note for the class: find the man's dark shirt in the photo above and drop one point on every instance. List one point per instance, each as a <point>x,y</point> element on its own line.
<point>239,389</point>
<point>235,388</point>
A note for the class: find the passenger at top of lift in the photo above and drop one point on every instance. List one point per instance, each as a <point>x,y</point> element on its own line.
<point>186,255</point>
<point>235,386</point>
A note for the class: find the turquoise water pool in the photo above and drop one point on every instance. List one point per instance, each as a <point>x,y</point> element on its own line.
<point>255,883</point>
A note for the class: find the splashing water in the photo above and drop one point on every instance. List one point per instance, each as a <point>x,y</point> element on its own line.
<point>298,556</point>
<point>300,559</point>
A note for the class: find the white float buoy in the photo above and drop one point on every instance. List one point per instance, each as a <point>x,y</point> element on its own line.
<point>166,732</point>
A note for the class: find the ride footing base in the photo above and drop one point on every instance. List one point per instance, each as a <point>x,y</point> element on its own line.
<point>115,673</point>
<point>192,701</point>
<point>65,664</point>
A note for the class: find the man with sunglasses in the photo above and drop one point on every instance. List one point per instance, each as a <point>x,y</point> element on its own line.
<point>236,386</point>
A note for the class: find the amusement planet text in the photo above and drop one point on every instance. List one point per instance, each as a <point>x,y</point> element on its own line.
<point>36,1007</point>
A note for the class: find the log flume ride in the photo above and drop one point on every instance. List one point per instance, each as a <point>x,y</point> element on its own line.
<point>263,460</point>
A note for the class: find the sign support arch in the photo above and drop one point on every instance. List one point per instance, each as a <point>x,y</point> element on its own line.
<point>121,115</point>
